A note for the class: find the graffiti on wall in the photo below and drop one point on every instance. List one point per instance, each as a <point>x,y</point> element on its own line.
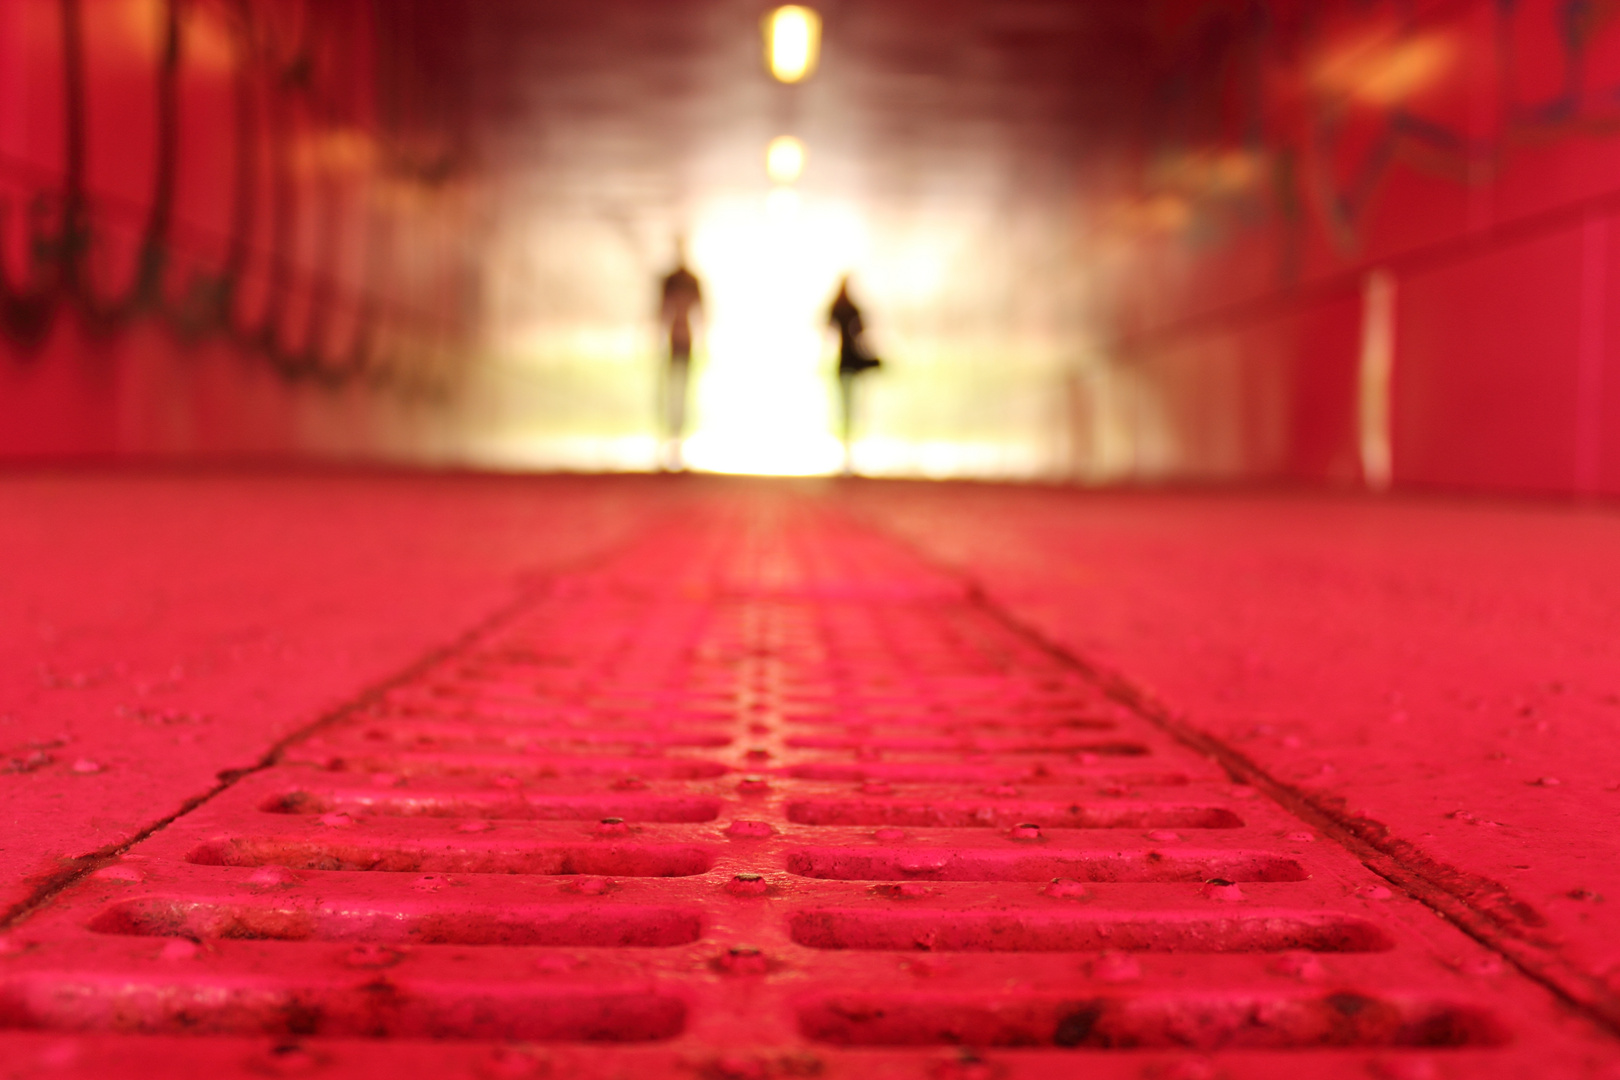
<point>1461,155</point>
<point>1305,122</point>
<point>252,171</point>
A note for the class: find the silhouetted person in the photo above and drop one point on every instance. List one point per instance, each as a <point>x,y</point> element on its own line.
<point>853,359</point>
<point>682,297</point>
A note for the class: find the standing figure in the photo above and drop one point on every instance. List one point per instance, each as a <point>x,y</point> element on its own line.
<point>681,297</point>
<point>853,359</point>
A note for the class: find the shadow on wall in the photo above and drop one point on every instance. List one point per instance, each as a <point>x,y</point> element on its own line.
<point>229,227</point>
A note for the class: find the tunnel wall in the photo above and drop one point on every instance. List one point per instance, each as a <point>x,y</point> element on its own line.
<point>230,227</point>
<point>1308,169</point>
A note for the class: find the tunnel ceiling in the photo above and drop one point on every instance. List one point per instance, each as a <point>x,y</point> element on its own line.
<point>950,148</point>
<point>657,102</point>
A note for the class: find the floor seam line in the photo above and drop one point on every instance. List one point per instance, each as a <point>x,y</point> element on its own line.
<point>1577,988</point>
<point>88,864</point>
<point>1580,990</point>
<point>531,590</point>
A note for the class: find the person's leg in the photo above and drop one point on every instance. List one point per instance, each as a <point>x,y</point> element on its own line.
<point>846,400</point>
<point>679,368</point>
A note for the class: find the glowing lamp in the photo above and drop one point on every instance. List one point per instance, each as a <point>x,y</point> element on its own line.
<point>784,159</point>
<point>792,41</point>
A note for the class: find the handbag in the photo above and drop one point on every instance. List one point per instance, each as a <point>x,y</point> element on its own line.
<point>865,361</point>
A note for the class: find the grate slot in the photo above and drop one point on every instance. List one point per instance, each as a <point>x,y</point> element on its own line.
<point>919,750</point>
<point>1038,930</point>
<point>1227,1021</point>
<point>949,773</point>
<point>495,805</point>
<point>423,922</point>
<point>401,855</point>
<point>174,1005</point>
<point>517,764</point>
<point>554,739</point>
<point>1002,813</point>
<point>957,864</point>
<point>955,722</point>
<point>964,744</point>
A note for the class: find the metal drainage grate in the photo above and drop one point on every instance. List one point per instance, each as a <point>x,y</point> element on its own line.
<point>765,798</point>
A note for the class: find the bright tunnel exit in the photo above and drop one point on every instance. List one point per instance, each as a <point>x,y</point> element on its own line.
<point>967,251</point>
<point>764,400</point>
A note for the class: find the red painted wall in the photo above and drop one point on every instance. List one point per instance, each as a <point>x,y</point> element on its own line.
<point>1470,148</point>
<point>230,227</point>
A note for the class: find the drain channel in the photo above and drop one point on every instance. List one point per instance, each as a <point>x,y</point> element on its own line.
<point>764,797</point>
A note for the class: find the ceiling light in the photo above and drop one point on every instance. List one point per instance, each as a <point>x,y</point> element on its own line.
<point>784,159</point>
<point>792,40</point>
